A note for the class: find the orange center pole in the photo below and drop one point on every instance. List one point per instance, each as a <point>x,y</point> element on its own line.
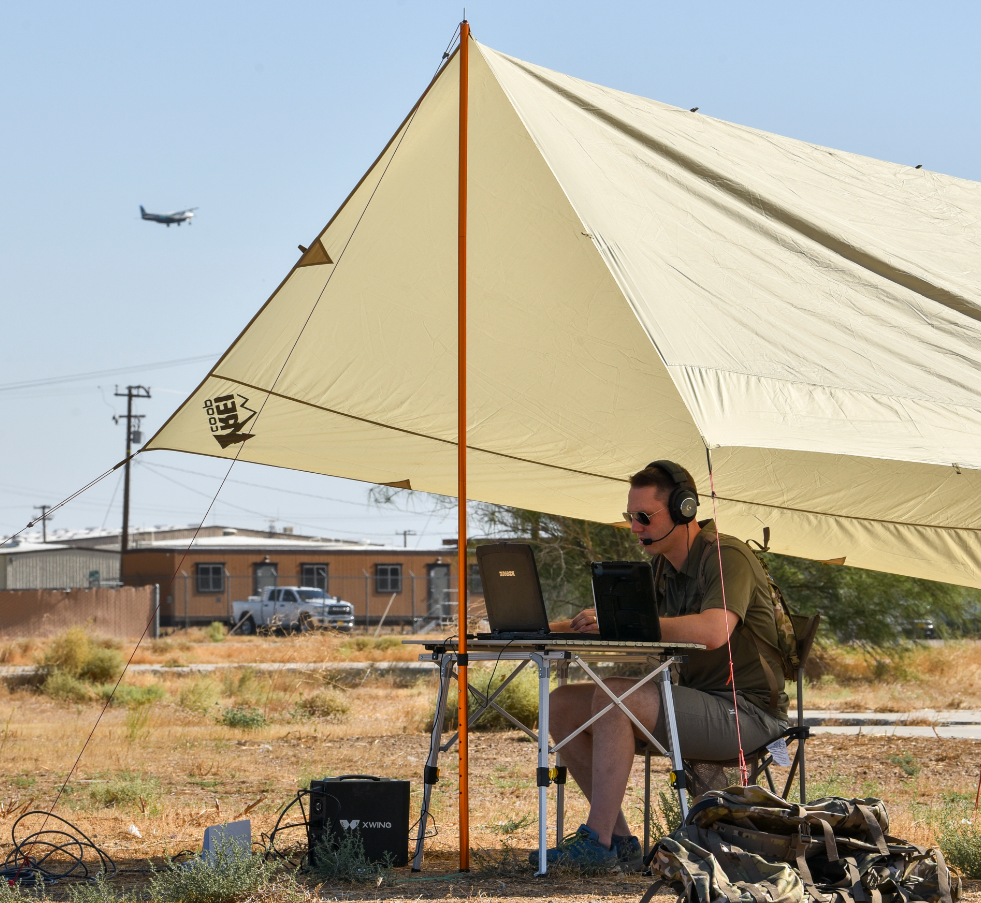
<point>462,452</point>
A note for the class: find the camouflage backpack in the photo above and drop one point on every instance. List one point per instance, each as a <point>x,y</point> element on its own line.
<point>747,844</point>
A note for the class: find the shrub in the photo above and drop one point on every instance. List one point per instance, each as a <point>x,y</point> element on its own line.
<point>67,652</point>
<point>75,653</point>
<point>325,704</point>
<point>97,890</point>
<point>216,632</point>
<point>958,835</point>
<point>138,721</point>
<point>199,695</point>
<point>129,695</point>
<point>125,789</point>
<point>907,763</point>
<point>343,859</point>
<point>102,665</point>
<point>247,719</point>
<point>519,698</point>
<point>65,687</point>
<point>230,873</point>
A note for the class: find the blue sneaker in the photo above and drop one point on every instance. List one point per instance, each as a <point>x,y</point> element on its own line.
<point>629,852</point>
<point>580,849</point>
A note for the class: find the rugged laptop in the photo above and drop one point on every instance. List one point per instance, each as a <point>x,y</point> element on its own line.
<point>513,594</point>
<point>623,592</point>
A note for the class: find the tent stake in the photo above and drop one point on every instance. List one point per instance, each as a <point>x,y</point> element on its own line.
<point>461,547</point>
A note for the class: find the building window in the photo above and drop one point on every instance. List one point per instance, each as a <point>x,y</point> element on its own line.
<point>388,578</point>
<point>474,584</point>
<point>211,578</point>
<point>314,575</point>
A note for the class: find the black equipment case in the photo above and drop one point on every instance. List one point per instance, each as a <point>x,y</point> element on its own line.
<point>377,808</point>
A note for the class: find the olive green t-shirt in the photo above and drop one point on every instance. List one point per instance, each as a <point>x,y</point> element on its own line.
<point>747,595</point>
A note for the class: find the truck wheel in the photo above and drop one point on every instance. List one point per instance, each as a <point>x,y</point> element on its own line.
<point>248,627</point>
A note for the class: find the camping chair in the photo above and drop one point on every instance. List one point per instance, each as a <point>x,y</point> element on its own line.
<point>702,776</point>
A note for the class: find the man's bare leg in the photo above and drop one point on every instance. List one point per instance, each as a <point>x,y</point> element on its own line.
<point>600,758</point>
<point>613,750</point>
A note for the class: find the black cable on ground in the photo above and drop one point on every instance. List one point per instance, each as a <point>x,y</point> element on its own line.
<point>56,854</point>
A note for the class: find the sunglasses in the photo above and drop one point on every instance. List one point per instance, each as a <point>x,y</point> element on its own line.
<point>642,517</point>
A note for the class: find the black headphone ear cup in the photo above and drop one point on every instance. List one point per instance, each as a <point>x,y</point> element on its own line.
<point>683,505</point>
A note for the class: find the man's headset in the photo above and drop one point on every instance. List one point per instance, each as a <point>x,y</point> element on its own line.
<point>683,501</point>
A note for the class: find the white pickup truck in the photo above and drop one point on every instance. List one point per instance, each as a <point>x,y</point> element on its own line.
<point>292,608</point>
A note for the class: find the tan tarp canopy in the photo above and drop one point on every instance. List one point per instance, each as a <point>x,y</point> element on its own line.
<point>643,282</point>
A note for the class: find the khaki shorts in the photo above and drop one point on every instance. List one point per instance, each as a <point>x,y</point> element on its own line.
<point>707,726</point>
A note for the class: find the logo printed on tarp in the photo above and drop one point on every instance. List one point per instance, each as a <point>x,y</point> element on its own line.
<point>226,418</point>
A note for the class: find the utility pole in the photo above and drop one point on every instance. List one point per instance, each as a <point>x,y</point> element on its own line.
<point>132,435</point>
<point>405,534</point>
<point>44,520</point>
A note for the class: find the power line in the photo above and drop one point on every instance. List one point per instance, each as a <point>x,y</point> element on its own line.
<point>95,374</point>
<point>306,495</point>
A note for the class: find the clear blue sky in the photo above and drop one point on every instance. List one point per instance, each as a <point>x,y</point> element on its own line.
<point>265,115</point>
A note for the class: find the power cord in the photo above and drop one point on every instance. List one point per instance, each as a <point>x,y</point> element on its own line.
<point>50,855</point>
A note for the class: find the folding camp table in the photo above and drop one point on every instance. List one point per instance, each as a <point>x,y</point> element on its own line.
<point>545,655</point>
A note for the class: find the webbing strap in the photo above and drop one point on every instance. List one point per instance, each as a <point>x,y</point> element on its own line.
<point>943,877</point>
<point>857,888</point>
<point>829,837</point>
<point>653,889</point>
<point>874,829</point>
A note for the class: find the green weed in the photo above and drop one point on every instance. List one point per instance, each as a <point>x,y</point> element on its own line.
<point>102,665</point>
<point>519,698</point>
<point>216,632</point>
<point>126,789</point>
<point>665,816</point>
<point>343,859</point>
<point>199,695</point>
<point>129,695</point>
<point>511,825</point>
<point>958,835</point>
<point>247,719</point>
<point>369,644</point>
<point>65,687</point>
<point>99,890</point>
<point>833,785</point>
<point>231,873</point>
<point>24,781</point>
<point>324,704</point>
<point>138,721</point>
<point>906,762</point>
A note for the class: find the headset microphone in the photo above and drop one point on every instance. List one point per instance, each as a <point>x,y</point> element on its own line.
<point>645,541</point>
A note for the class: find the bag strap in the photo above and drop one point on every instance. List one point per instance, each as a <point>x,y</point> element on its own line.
<point>874,828</point>
<point>701,584</point>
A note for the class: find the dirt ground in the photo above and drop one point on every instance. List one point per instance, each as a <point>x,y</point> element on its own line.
<point>170,768</point>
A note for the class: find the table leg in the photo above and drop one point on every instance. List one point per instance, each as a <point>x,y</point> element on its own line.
<point>431,772</point>
<point>674,747</point>
<point>544,668</point>
<point>562,673</point>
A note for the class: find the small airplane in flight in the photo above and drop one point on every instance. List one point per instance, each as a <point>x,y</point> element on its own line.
<point>178,216</point>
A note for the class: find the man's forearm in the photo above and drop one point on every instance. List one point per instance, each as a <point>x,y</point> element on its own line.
<point>708,628</point>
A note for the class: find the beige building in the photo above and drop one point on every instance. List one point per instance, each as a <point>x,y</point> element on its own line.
<point>198,584</point>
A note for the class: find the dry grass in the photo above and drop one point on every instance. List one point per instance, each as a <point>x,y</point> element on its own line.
<point>928,676</point>
<point>179,769</point>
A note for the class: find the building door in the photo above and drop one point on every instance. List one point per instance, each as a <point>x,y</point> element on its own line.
<point>263,575</point>
<point>438,590</point>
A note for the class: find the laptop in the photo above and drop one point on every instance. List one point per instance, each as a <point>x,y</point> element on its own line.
<point>513,594</point>
<point>623,592</point>
<point>626,608</point>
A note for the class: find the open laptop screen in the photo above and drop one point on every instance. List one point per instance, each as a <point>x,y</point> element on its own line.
<point>512,591</point>
<point>626,609</point>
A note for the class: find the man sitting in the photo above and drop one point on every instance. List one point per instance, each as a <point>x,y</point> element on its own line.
<point>661,507</point>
